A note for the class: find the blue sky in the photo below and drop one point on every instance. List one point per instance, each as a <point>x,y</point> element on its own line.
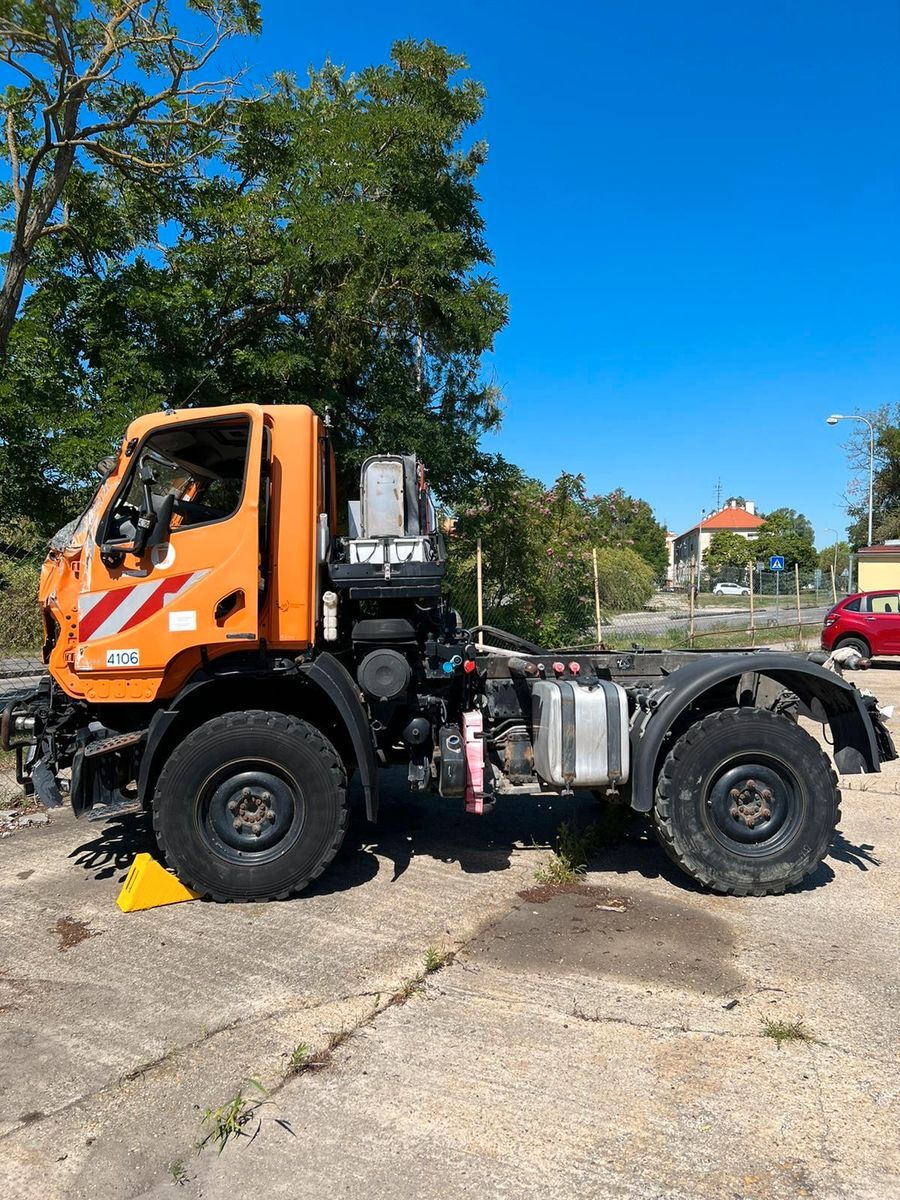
<point>694,210</point>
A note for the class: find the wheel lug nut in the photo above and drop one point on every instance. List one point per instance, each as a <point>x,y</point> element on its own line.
<point>246,793</point>
<point>270,814</point>
<point>766,795</point>
<point>734,794</point>
<point>256,830</point>
<point>238,826</point>
<point>232,806</point>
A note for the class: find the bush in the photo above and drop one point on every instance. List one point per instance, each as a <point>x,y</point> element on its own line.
<point>626,580</point>
<point>21,556</point>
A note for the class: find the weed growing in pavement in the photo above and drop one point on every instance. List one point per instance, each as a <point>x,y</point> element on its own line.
<point>337,1037</point>
<point>178,1172</point>
<point>558,869</point>
<point>786,1031</point>
<point>229,1121</point>
<point>298,1058</point>
<point>435,959</point>
<point>574,848</point>
<point>408,989</point>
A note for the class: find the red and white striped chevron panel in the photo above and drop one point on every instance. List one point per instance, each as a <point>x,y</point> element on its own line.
<point>102,614</point>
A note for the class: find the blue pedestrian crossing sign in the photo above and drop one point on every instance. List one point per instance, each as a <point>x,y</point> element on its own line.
<point>776,562</point>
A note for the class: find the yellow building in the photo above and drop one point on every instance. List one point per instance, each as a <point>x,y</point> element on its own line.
<point>878,567</point>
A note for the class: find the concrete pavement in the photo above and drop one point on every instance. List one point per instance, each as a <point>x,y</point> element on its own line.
<point>585,1043</point>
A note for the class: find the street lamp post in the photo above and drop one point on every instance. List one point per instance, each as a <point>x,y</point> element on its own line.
<point>833,420</point>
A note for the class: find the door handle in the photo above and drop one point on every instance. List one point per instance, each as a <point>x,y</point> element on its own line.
<point>229,604</point>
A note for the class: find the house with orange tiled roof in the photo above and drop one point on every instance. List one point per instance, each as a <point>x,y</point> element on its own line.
<point>690,546</point>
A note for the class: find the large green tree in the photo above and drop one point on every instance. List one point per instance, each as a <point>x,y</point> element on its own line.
<point>729,549</point>
<point>337,258</point>
<point>109,104</point>
<point>787,533</point>
<point>886,490</point>
<point>537,547</point>
<point>836,555</point>
<point>789,518</point>
<point>619,521</point>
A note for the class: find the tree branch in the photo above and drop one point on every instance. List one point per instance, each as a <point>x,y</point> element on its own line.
<point>14,162</point>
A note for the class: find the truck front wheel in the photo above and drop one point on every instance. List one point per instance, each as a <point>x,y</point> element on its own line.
<point>746,802</point>
<point>251,806</point>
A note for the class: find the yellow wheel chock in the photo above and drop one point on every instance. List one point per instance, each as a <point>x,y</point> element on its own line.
<point>149,885</point>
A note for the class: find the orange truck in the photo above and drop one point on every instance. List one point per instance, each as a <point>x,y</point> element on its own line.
<point>218,654</point>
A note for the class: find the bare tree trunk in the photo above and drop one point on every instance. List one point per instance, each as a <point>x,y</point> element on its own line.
<point>34,211</point>
<point>11,294</point>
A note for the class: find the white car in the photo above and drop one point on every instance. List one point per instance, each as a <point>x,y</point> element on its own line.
<point>730,589</point>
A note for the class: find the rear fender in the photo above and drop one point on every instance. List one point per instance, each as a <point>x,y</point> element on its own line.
<point>826,697</point>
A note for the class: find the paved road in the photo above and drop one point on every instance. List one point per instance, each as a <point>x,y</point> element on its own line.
<point>582,1045</point>
<point>652,623</point>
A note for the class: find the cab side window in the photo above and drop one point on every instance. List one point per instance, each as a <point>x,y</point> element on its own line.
<point>201,466</point>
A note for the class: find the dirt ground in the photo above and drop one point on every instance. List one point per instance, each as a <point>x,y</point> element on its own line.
<point>605,1041</point>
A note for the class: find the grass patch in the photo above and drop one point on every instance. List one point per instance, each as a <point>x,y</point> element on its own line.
<point>231,1120</point>
<point>786,1031</point>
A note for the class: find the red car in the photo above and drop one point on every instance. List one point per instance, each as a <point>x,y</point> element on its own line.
<point>869,621</point>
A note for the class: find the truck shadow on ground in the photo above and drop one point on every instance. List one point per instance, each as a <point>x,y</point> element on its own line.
<point>425,825</point>
<point>409,825</point>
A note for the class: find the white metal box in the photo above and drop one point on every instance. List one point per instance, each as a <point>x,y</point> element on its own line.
<point>396,550</point>
<point>580,733</point>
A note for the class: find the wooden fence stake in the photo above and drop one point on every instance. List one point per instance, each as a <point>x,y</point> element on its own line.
<point>691,610</point>
<point>597,600</point>
<point>479,591</point>
<point>797,585</point>
<point>752,620</point>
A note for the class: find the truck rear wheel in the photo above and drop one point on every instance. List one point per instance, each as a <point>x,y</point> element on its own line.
<point>251,806</point>
<point>746,802</point>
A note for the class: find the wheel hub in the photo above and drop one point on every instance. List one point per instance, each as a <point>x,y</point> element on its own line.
<point>751,802</point>
<point>251,810</point>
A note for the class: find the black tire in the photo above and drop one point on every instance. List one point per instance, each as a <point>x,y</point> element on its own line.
<point>859,644</point>
<point>251,806</point>
<point>769,765</point>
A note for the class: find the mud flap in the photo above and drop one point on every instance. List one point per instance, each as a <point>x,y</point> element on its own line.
<point>45,786</point>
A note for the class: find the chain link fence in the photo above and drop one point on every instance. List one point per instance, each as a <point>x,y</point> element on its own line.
<point>784,610</point>
<point>21,556</point>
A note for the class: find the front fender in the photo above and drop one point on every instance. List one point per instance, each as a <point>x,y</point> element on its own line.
<point>337,683</point>
<point>826,696</point>
<point>323,673</point>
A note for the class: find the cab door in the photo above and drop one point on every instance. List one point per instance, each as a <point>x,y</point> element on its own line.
<point>194,479</point>
<point>883,622</point>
